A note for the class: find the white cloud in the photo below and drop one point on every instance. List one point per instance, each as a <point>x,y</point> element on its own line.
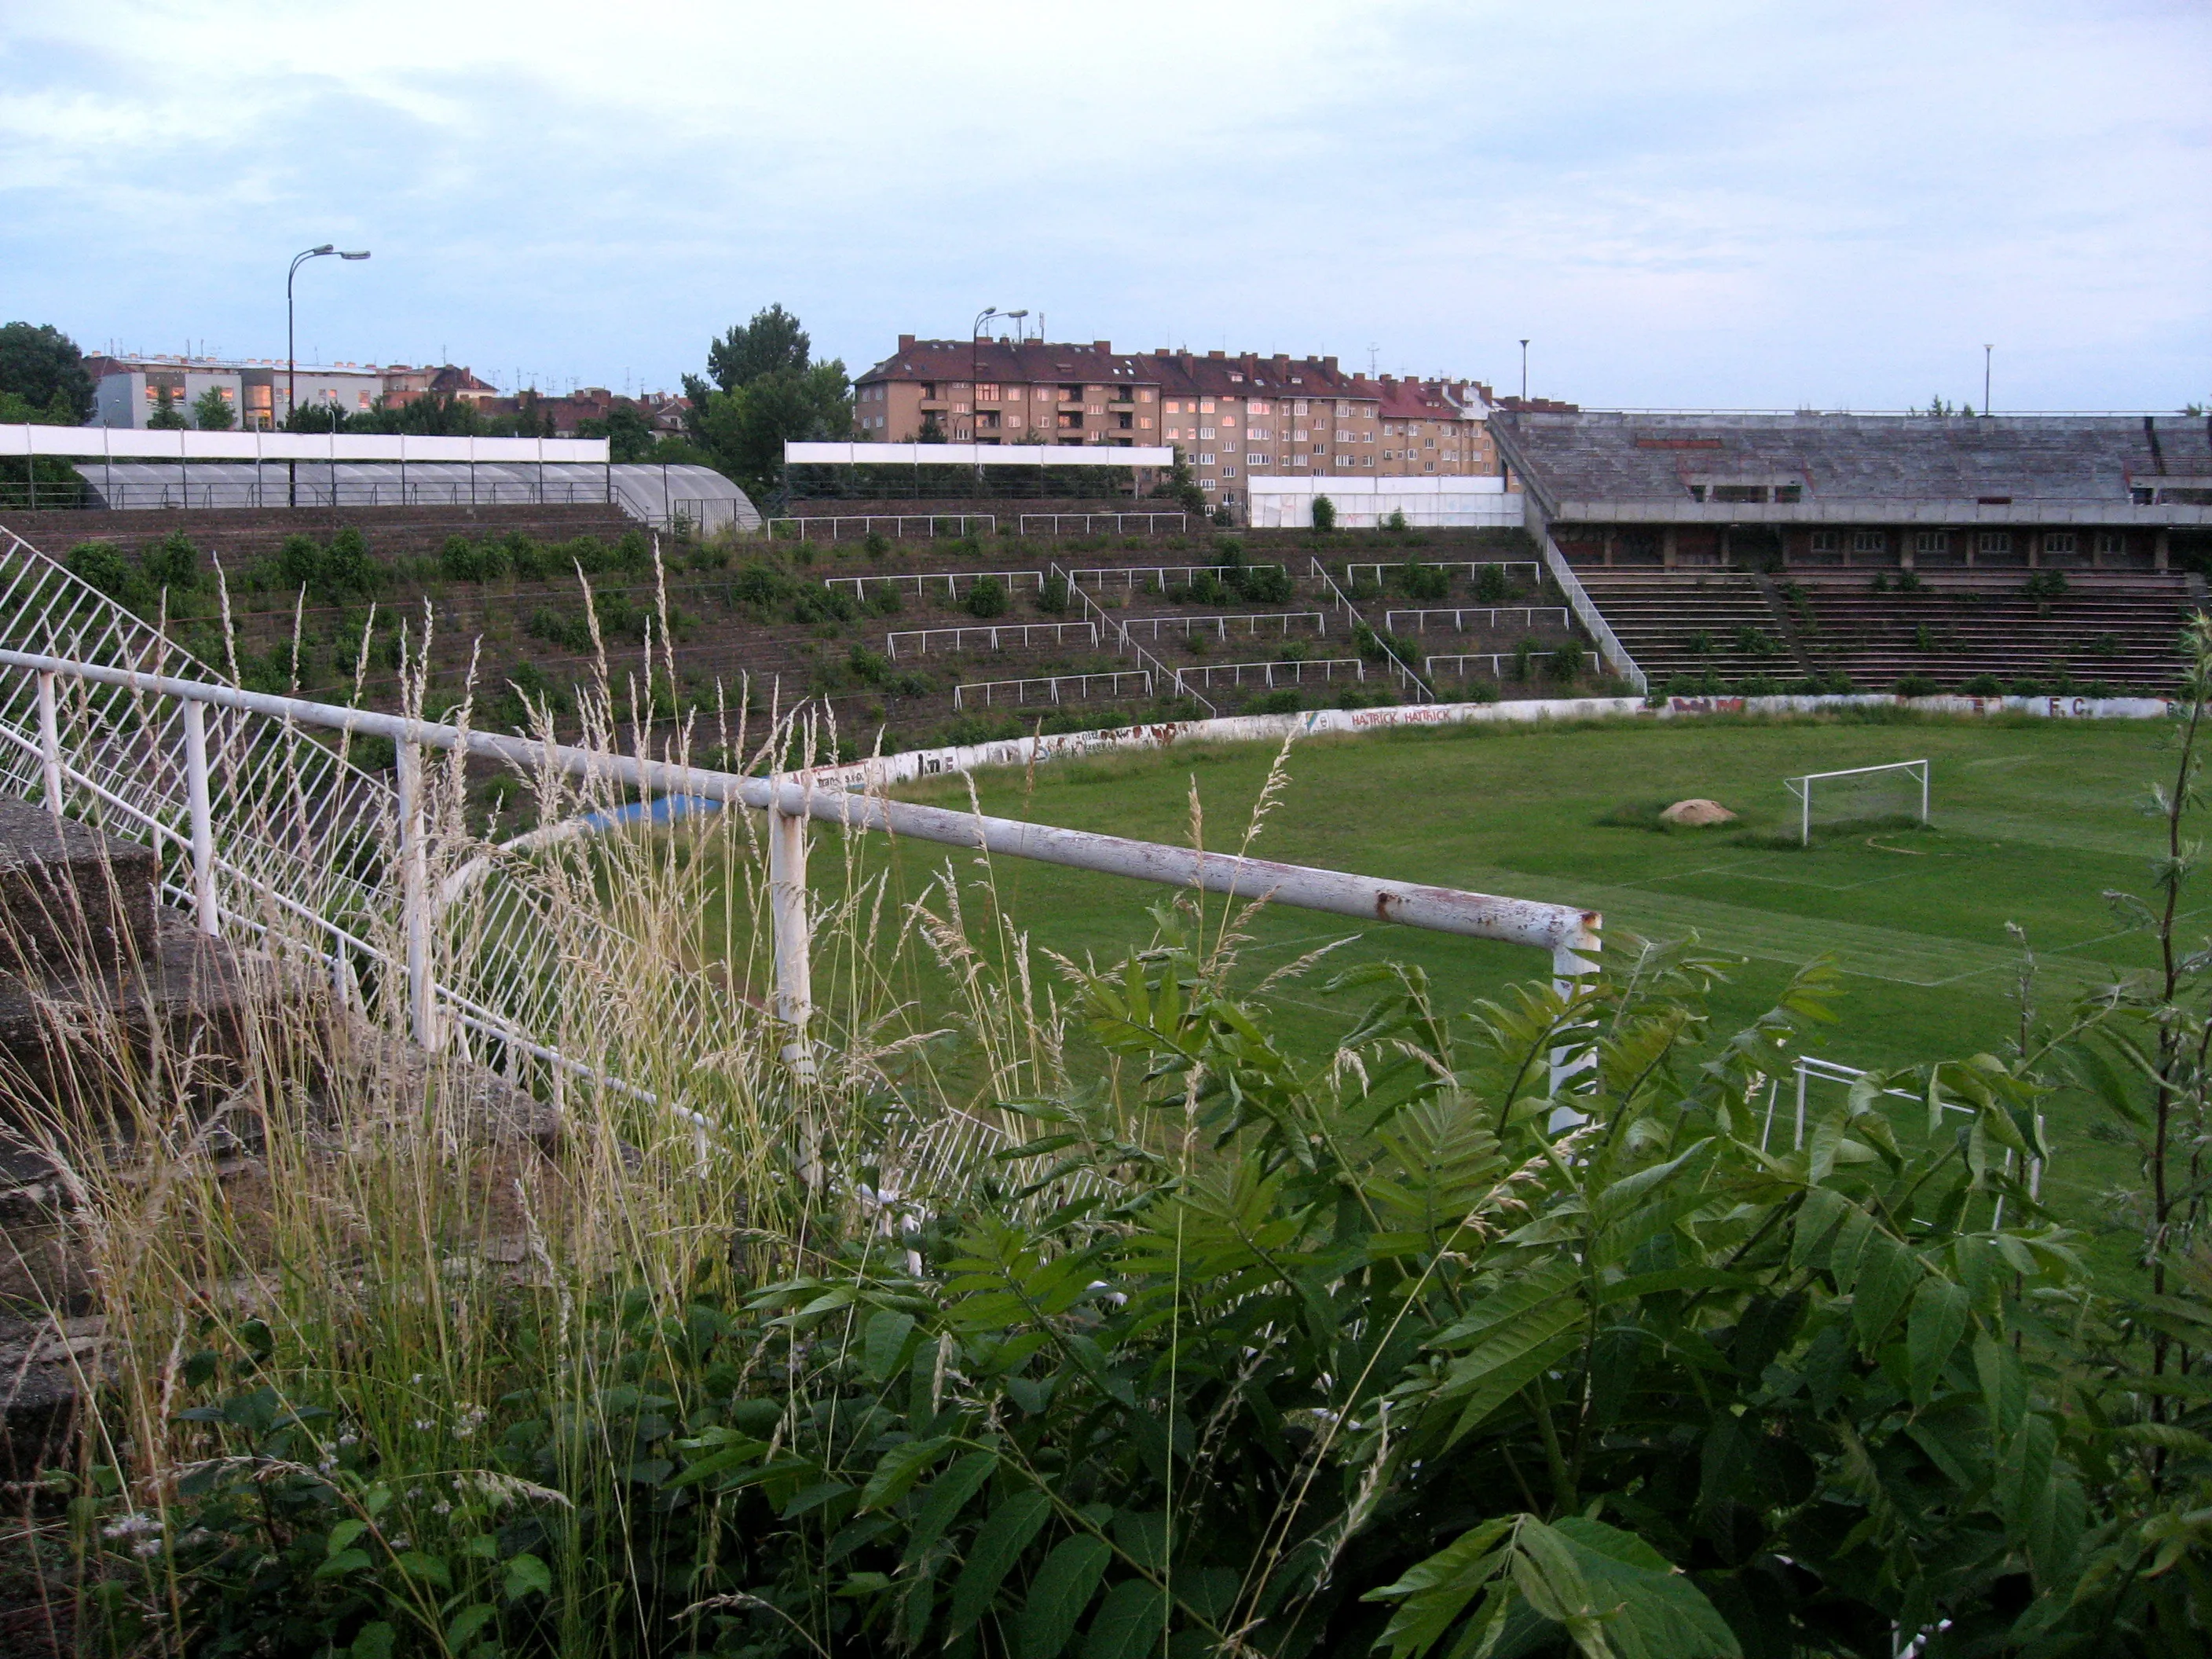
<point>1727,202</point>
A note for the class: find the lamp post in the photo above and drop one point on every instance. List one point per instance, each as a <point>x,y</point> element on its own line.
<point>292,355</point>
<point>1524,372</point>
<point>975,369</point>
<point>1986,350</point>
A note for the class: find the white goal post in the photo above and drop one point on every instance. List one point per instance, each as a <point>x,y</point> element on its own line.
<point>1908,773</point>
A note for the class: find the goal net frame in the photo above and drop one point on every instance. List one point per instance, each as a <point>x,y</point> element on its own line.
<point>1802,789</point>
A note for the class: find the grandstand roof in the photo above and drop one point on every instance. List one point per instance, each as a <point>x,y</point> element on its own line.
<point>1619,462</point>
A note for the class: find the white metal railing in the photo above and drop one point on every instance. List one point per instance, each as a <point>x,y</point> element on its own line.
<point>262,829</point>
<point>801,528</point>
<point>1220,626</point>
<point>920,583</point>
<point>1609,647</point>
<point>1162,576</point>
<point>1473,568</point>
<point>1419,621</point>
<point>989,636</point>
<point>1124,640</point>
<point>1456,663</point>
<point>1289,671</point>
<point>1408,681</point>
<point>1115,522</point>
<point>1049,687</point>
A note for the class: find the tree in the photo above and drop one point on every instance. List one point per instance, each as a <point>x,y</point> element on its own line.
<point>629,435</point>
<point>1180,487</point>
<point>165,416</point>
<point>313,418</point>
<point>746,429</point>
<point>42,366</point>
<point>211,411</point>
<point>1324,513</point>
<point>773,340</point>
<point>433,415</point>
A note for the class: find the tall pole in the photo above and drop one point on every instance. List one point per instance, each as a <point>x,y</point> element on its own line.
<point>1986,350</point>
<point>292,356</point>
<point>1524,371</point>
<point>976,383</point>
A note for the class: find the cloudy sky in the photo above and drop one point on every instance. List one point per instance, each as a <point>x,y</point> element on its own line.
<point>1787,204</point>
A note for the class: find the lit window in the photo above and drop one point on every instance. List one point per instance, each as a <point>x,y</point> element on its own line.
<point>986,392</point>
<point>1206,405</point>
<point>1145,422</point>
<point>1258,406</point>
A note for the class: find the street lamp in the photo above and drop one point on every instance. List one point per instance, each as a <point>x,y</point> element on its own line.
<point>975,369</point>
<point>291,351</point>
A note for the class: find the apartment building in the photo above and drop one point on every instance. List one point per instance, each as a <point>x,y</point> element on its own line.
<point>1232,417</point>
<point>130,389</point>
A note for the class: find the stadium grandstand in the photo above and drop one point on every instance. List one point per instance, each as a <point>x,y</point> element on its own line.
<point>1876,548</point>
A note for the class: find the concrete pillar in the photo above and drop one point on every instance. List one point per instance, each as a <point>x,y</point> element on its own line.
<point>2158,558</point>
<point>1667,555</point>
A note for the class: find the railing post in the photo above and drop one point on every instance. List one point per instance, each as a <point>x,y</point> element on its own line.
<point>794,999</point>
<point>415,898</point>
<point>209,915</point>
<point>49,743</point>
<point>1570,960</point>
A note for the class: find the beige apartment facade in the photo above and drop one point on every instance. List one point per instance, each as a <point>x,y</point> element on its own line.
<point>1231,418</point>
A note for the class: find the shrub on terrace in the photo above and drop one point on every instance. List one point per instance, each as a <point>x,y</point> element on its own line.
<point>1492,586</point>
<point>1425,582</point>
<point>986,598</point>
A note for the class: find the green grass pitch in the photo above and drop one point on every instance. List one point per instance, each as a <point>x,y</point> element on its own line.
<point>2033,821</point>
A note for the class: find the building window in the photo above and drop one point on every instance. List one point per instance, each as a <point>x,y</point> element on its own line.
<point>1205,432</point>
<point>1367,460</point>
<point>1144,395</point>
<point>1258,406</point>
<point>1995,541</point>
<point>1208,484</point>
<point>1228,471</point>
<point>1824,541</point>
<point>1206,405</point>
<point>1869,541</point>
<point>2111,544</point>
<point>1205,460</point>
<point>986,392</point>
<point>1256,460</point>
<point>1428,466</point>
<point>1344,460</point>
<point>2059,541</point>
<point>1931,541</point>
<point>1145,422</point>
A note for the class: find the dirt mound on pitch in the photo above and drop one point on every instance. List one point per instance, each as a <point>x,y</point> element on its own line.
<point>1696,813</point>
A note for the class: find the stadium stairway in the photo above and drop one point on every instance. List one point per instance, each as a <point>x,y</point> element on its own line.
<point>1679,622</point>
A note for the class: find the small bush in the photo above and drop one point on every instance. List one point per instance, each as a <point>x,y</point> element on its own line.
<point>1478,691</point>
<point>885,602</point>
<point>568,629</point>
<point>1425,582</point>
<point>102,566</point>
<point>1757,642</point>
<point>173,562</point>
<point>1397,522</point>
<point>869,667</point>
<point>2028,686</point>
<point>1205,588</point>
<point>1264,584</point>
<point>1700,643</point>
<point>1287,701</point>
<point>1324,514</point>
<point>760,583</point>
<point>1908,582</point>
<point>986,598</point>
<point>1915,685</point>
<point>1567,663</point>
<point>816,604</point>
<point>876,544</point>
<point>1052,596</point>
<point>1983,685</point>
<point>2045,585</point>
<point>1491,585</point>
